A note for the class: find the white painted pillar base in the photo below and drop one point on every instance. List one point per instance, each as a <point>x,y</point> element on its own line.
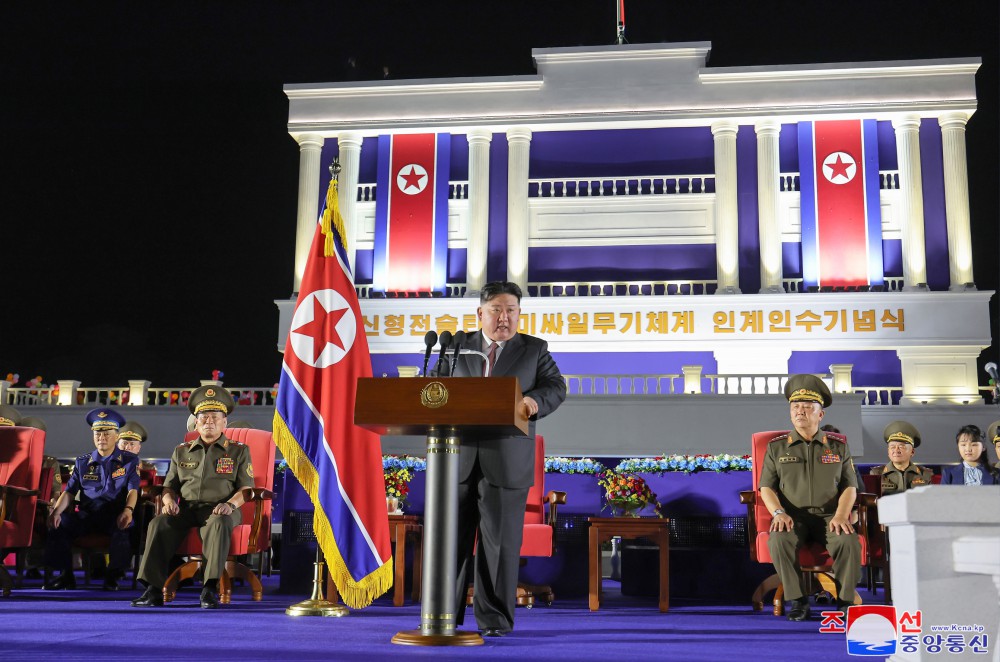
<point>943,375</point>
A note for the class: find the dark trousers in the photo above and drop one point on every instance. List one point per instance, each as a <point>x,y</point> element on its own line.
<point>59,544</point>
<point>167,532</point>
<point>497,514</point>
<point>845,550</point>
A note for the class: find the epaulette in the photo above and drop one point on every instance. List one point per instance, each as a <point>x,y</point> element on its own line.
<point>84,456</point>
<point>184,444</point>
<point>877,471</point>
<point>782,437</point>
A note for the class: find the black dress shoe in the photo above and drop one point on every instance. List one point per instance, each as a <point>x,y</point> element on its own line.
<point>493,632</point>
<point>64,581</point>
<point>800,610</point>
<point>208,599</point>
<point>153,597</point>
<point>111,580</point>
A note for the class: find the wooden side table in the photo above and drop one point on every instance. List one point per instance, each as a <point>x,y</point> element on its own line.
<point>627,528</point>
<point>401,527</point>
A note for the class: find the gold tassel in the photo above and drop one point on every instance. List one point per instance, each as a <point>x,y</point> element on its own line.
<point>356,594</point>
<point>332,219</point>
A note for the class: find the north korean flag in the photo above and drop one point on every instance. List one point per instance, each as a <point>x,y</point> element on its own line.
<point>411,213</point>
<point>841,213</point>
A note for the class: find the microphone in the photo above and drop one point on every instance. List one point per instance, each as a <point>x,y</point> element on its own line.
<point>458,340</point>
<point>991,370</point>
<point>430,339</point>
<point>445,340</point>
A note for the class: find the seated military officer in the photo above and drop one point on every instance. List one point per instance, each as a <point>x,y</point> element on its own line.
<point>809,486</point>
<point>131,436</point>
<point>9,416</point>
<point>208,475</point>
<point>993,437</point>
<point>106,483</point>
<point>902,440</point>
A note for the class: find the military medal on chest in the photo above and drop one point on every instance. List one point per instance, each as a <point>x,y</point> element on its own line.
<point>224,465</point>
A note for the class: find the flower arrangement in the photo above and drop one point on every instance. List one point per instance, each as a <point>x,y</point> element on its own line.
<point>410,462</point>
<point>397,483</point>
<point>685,463</point>
<point>627,494</point>
<point>567,465</point>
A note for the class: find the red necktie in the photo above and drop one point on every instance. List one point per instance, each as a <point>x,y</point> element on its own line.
<point>491,360</point>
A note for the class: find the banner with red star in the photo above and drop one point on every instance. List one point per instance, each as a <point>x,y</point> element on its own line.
<point>338,464</point>
<point>840,205</point>
<point>411,213</point>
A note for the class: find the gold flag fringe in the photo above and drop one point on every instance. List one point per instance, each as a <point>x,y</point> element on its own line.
<point>356,594</point>
<point>332,219</point>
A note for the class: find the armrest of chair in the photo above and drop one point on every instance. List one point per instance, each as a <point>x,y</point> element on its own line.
<point>9,492</point>
<point>554,498</point>
<point>862,503</point>
<point>749,497</point>
<point>258,495</point>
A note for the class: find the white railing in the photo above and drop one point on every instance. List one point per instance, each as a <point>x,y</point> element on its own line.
<point>762,384</point>
<point>456,191</point>
<point>18,396</point>
<point>577,187</point>
<point>622,288</point>
<point>620,384</point>
<point>890,284</point>
<point>888,180</point>
<point>880,395</point>
<point>367,291</point>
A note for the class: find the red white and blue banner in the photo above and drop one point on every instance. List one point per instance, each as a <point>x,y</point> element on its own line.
<point>841,211</point>
<point>411,213</point>
<point>338,463</point>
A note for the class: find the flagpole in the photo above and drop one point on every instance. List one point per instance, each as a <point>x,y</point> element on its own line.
<point>317,605</point>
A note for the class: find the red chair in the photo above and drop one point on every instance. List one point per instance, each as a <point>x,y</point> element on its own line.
<point>813,558</point>
<point>251,536</point>
<point>21,451</point>
<point>539,529</point>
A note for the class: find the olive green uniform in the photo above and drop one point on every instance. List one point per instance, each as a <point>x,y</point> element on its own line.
<point>204,475</point>
<point>809,477</point>
<point>895,481</point>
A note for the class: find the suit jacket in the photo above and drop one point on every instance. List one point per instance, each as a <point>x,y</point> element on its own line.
<point>955,475</point>
<point>510,461</point>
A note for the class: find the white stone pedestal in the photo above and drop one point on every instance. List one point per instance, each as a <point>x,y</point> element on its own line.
<point>923,524</point>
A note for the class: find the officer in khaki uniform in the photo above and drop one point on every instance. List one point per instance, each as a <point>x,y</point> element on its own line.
<point>209,475</point>
<point>809,485</point>
<point>131,437</point>
<point>901,473</point>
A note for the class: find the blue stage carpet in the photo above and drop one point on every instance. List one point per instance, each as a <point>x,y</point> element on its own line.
<point>93,625</point>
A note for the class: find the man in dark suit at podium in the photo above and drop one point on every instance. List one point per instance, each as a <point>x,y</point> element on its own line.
<point>495,474</point>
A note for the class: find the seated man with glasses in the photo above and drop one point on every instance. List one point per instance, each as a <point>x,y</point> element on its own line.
<point>105,482</point>
<point>208,475</point>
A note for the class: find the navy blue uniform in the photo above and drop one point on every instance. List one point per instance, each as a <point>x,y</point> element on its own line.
<point>101,485</point>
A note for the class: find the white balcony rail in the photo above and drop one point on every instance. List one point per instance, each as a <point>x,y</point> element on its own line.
<point>456,191</point>
<point>18,396</point>
<point>620,384</point>
<point>622,288</point>
<point>615,185</point>
<point>888,180</point>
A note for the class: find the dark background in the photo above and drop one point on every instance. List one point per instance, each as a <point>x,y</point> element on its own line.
<point>149,185</point>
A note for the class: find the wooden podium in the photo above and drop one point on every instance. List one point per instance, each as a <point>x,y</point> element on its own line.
<point>446,410</point>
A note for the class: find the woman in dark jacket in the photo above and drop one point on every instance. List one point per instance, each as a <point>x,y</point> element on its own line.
<point>975,467</point>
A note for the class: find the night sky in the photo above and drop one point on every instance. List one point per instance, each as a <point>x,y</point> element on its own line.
<point>149,184</point>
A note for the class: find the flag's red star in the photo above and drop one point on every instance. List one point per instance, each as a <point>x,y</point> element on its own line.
<point>839,167</point>
<point>412,179</point>
<point>322,328</point>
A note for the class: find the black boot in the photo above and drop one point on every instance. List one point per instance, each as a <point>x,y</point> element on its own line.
<point>800,610</point>
<point>153,597</point>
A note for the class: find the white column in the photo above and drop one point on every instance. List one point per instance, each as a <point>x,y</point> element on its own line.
<point>479,210</point>
<point>956,197</point>
<point>310,148</point>
<point>842,377</point>
<point>768,225</point>
<point>350,164</point>
<point>138,391</point>
<point>911,202</point>
<point>518,145</point>
<point>726,221</point>
<point>67,391</point>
